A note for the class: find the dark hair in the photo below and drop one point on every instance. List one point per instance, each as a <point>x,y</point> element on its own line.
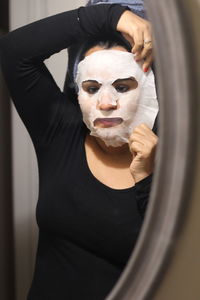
<point>76,53</point>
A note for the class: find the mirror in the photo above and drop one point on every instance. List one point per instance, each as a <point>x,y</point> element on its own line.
<point>170,194</point>
<point>175,193</point>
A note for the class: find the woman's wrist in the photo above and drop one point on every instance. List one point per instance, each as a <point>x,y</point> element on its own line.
<point>140,176</point>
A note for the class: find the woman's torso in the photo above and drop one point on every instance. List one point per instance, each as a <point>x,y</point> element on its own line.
<point>87,229</point>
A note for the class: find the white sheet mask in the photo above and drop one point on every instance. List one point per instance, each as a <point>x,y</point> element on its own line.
<point>110,106</point>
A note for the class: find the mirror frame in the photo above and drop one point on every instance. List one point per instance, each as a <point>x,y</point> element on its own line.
<point>177,45</point>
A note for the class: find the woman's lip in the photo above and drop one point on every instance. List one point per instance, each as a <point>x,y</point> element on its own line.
<point>107,122</point>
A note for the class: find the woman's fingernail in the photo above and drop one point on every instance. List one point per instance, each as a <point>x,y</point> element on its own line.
<point>146,70</point>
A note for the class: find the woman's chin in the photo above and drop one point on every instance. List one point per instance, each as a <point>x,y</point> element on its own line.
<point>111,136</point>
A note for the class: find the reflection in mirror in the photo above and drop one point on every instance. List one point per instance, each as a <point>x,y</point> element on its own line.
<point>159,266</point>
<point>95,143</point>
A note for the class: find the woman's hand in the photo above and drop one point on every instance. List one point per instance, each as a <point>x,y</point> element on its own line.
<point>138,33</point>
<point>142,145</point>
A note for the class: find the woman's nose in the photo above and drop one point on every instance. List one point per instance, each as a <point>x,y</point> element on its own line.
<point>107,101</point>
<point>107,106</point>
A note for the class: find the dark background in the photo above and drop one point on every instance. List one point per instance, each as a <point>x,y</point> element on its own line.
<point>6,223</point>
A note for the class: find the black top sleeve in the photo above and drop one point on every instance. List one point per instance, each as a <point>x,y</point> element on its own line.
<point>35,94</point>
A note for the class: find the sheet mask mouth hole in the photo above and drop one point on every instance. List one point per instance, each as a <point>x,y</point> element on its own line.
<point>107,122</point>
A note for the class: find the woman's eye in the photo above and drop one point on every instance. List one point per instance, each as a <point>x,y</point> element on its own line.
<point>121,88</point>
<point>92,89</point>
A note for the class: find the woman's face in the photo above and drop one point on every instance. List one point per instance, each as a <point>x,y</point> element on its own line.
<point>105,101</point>
<point>109,93</point>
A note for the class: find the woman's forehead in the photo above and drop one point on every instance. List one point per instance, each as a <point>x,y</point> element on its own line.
<point>108,65</point>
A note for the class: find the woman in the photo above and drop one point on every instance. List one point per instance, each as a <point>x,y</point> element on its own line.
<point>88,222</point>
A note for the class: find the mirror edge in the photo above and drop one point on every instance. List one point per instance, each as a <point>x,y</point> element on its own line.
<point>169,199</point>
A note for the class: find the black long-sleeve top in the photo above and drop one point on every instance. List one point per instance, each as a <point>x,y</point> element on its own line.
<point>87,230</point>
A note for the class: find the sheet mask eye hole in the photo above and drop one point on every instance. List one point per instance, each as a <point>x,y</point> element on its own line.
<point>121,88</point>
<point>92,90</point>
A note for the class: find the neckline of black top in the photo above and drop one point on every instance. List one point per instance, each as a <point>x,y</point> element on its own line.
<point>93,178</point>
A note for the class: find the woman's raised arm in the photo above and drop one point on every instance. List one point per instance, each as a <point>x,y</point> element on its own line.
<point>35,94</point>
